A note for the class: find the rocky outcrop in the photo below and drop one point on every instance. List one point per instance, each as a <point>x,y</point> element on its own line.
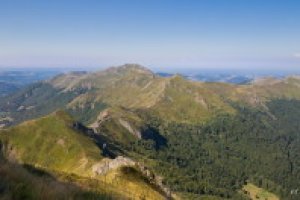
<point>103,116</point>
<point>130,129</point>
<point>106,165</point>
<point>154,179</point>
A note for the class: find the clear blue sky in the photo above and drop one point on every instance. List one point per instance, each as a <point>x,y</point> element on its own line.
<point>156,33</point>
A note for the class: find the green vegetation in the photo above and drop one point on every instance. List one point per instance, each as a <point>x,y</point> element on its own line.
<point>255,192</point>
<point>87,115</point>
<point>18,182</point>
<point>34,101</point>
<point>207,140</point>
<point>130,86</point>
<point>59,145</point>
<point>218,158</point>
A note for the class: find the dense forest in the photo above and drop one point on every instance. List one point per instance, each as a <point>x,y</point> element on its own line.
<point>218,158</point>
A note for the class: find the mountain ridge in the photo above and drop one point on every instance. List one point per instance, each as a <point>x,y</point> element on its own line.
<point>133,86</point>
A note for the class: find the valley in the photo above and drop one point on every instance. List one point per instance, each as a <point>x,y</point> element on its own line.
<point>128,133</point>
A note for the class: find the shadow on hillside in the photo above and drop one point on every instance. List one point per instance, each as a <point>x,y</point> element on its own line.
<point>154,135</point>
<point>107,148</point>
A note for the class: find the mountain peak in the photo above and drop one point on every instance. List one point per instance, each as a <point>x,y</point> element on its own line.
<point>134,66</point>
<point>130,67</point>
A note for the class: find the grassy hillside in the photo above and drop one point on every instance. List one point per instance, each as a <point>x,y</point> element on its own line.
<point>25,182</point>
<point>53,144</point>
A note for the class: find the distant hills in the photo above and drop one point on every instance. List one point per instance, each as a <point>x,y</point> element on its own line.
<point>7,88</point>
<point>13,80</point>
<point>218,77</point>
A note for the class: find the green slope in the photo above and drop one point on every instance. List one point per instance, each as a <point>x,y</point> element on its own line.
<point>24,182</point>
<point>220,157</point>
<point>52,144</point>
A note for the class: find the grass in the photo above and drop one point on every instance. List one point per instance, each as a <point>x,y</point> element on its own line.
<point>51,142</point>
<point>189,102</point>
<point>133,184</point>
<point>257,193</point>
<point>19,183</point>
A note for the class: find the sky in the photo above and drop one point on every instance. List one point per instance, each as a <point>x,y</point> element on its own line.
<point>218,34</point>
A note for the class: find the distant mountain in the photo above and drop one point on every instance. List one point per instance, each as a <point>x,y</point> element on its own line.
<point>199,139</point>
<point>225,78</point>
<point>13,80</point>
<point>26,76</point>
<point>213,77</point>
<point>7,88</point>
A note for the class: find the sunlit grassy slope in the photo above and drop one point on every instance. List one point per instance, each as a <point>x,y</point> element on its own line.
<point>52,144</point>
<point>255,192</point>
<point>18,182</point>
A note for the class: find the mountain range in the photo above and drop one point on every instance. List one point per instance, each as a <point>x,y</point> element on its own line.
<point>128,133</point>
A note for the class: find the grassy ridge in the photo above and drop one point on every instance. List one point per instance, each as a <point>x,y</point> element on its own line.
<point>52,143</point>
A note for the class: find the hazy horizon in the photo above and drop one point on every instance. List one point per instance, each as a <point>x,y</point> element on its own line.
<point>186,71</point>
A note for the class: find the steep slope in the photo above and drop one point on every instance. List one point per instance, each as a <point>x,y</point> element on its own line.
<point>221,156</point>
<point>25,182</point>
<point>56,144</point>
<point>189,102</point>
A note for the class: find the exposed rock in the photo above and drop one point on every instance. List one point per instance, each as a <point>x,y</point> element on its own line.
<point>30,107</point>
<point>103,116</point>
<point>21,108</point>
<point>131,130</point>
<point>109,164</point>
<point>156,180</point>
<point>106,165</point>
<point>61,142</point>
<point>199,99</point>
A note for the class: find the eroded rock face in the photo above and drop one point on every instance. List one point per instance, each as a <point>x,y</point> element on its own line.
<point>155,180</point>
<point>103,116</point>
<point>109,164</point>
<point>130,129</point>
<point>106,165</point>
